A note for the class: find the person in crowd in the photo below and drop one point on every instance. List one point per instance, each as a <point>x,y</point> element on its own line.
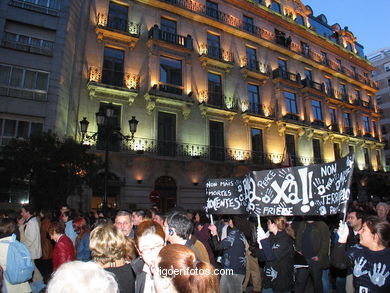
<point>192,277</point>
<point>202,233</point>
<point>32,237</point>
<point>124,224</point>
<point>108,249</point>
<point>277,251</point>
<point>82,277</point>
<point>137,217</point>
<point>312,241</point>
<point>370,260</point>
<point>382,210</point>
<point>19,230</point>
<point>234,256</point>
<point>7,227</point>
<point>80,225</point>
<point>178,229</point>
<point>150,213</point>
<point>149,239</point>
<point>64,208</point>
<point>159,218</point>
<point>67,218</point>
<point>46,263</point>
<point>63,250</point>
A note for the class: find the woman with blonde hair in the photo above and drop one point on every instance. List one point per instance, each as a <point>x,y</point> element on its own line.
<point>278,253</point>
<point>108,249</point>
<point>178,271</point>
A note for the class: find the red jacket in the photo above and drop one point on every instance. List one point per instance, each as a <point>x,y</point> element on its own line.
<point>63,252</point>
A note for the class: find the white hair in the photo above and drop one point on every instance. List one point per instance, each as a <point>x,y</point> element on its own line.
<point>81,277</point>
<point>385,205</point>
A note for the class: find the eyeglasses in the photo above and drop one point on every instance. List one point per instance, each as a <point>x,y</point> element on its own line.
<point>148,250</point>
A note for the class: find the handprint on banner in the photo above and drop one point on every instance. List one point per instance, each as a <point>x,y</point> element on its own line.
<point>322,210</point>
<point>270,272</point>
<point>378,277</point>
<point>358,268</point>
<point>320,184</point>
<point>249,186</point>
<point>283,173</point>
<point>267,196</point>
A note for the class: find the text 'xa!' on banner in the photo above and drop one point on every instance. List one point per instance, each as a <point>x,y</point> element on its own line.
<point>321,189</point>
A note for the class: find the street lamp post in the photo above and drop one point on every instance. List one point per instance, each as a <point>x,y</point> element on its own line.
<point>108,129</point>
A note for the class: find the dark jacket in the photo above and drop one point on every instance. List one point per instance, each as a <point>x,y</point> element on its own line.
<point>278,254</point>
<point>233,248</point>
<point>320,240</point>
<point>140,275</point>
<point>124,276</point>
<point>63,252</point>
<point>371,269</point>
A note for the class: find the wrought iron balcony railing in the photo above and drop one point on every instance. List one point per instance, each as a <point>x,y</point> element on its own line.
<point>217,53</point>
<point>253,65</point>
<point>314,85</point>
<point>118,24</point>
<point>348,130</point>
<point>280,73</point>
<point>156,33</point>
<point>115,78</point>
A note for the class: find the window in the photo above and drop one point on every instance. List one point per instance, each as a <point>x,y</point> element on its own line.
<point>170,71</point>
<point>387,67</point>
<point>317,112</point>
<point>353,70</point>
<point>257,141</point>
<point>328,86</point>
<point>248,24</point>
<point>254,99</point>
<point>317,151</point>
<point>388,82</point>
<point>337,152</point>
<point>213,46</point>
<point>369,98</point>
<point>379,99</point>
<point>113,67</point>
<point>308,74</point>
<point>332,112</point>
<point>357,95</point>
<point>374,125</point>
<point>347,123</point>
<point>290,146</point>
<point>52,4</point>
<point>114,141</point>
<point>305,49</point>
<point>217,143</point>
<point>23,83</point>
<point>378,160</point>
<point>166,134</point>
<point>212,9</point>
<point>251,58</point>
<point>343,90</point>
<point>291,102</point>
<point>282,64</point>
<point>338,61</point>
<point>351,149</point>
<point>366,124</point>
<point>168,25</point>
<point>10,128</point>
<point>117,17</point>
<point>324,58</point>
<point>366,157</point>
<point>28,44</point>
<point>300,19</point>
<point>275,6</point>
<point>214,89</point>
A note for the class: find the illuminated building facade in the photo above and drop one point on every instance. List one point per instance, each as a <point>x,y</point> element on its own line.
<point>219,88</point>
<point>381,60</point>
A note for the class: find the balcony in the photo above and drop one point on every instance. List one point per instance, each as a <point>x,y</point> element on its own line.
<point>260,109</point>
<point>170,89</point>
<point>218,104</point>
<point>291,117</point>
<point>364,104</point>
<point>318,123</point>
<point>254,69</point>
<point>216,57</point>
<point>170,40</point>
<point>27,44</point>
<point>349,130</point>
<point>334,127</point>
<point>117,30</point>
<point>52,10</point>
<point>287,77</point>
<point>314,87</point>
<point>105,83</point>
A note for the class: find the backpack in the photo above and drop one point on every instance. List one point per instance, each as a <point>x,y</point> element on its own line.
<point>19,264</point>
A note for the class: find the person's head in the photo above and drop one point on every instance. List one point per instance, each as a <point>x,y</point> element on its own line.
<point>56,229</point>
<point>375,232</point>
<point>80,225</point>
<point>123,222</point>
<point>355,219</point>
<point>64,208</point>
<point>279,223</point>
<point>177,227</point>
<point>107,244</point>
<point>194,276</point>
<point>382,210</point>
<point>7,227</point>
<point>159,218</point>
<point>130,250</point>
<point>137,217</point>
<point>81,277</point>
<point>66,216</point>
<point>26,211</point>
<point>149,239</point>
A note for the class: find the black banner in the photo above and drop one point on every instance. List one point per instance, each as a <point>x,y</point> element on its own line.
<point>321,189</point>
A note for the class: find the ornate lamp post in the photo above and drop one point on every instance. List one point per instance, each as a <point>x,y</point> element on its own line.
<point>107,129</point>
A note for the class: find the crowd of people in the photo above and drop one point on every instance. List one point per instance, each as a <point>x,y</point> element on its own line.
<point>147,251</point>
